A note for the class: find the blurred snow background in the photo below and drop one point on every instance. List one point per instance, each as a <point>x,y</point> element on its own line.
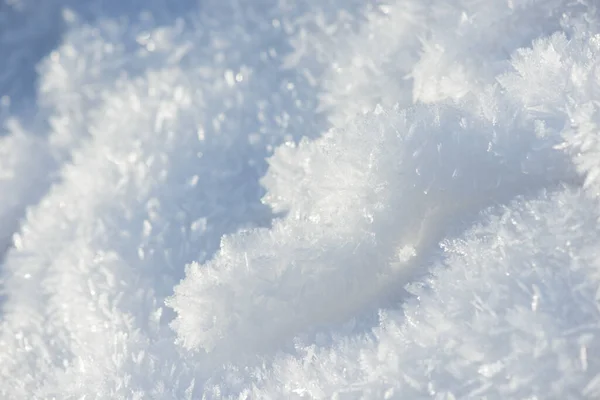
<point>349,199</point>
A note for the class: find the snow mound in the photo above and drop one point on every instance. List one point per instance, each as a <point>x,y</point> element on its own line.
<point>357,223</point>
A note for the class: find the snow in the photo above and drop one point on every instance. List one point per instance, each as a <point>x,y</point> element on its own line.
<point>299,199</point>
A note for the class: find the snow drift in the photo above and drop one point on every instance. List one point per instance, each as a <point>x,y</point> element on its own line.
<point>315,199</point>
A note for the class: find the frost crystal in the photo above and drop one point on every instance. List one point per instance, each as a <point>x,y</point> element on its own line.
<point>350,199</point>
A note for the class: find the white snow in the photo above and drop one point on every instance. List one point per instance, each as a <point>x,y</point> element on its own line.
<point>278,199</point>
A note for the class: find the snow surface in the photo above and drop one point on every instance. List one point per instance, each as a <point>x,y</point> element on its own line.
<point>296,199</point>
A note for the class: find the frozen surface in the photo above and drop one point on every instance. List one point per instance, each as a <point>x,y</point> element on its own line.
<point>350,199</point>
